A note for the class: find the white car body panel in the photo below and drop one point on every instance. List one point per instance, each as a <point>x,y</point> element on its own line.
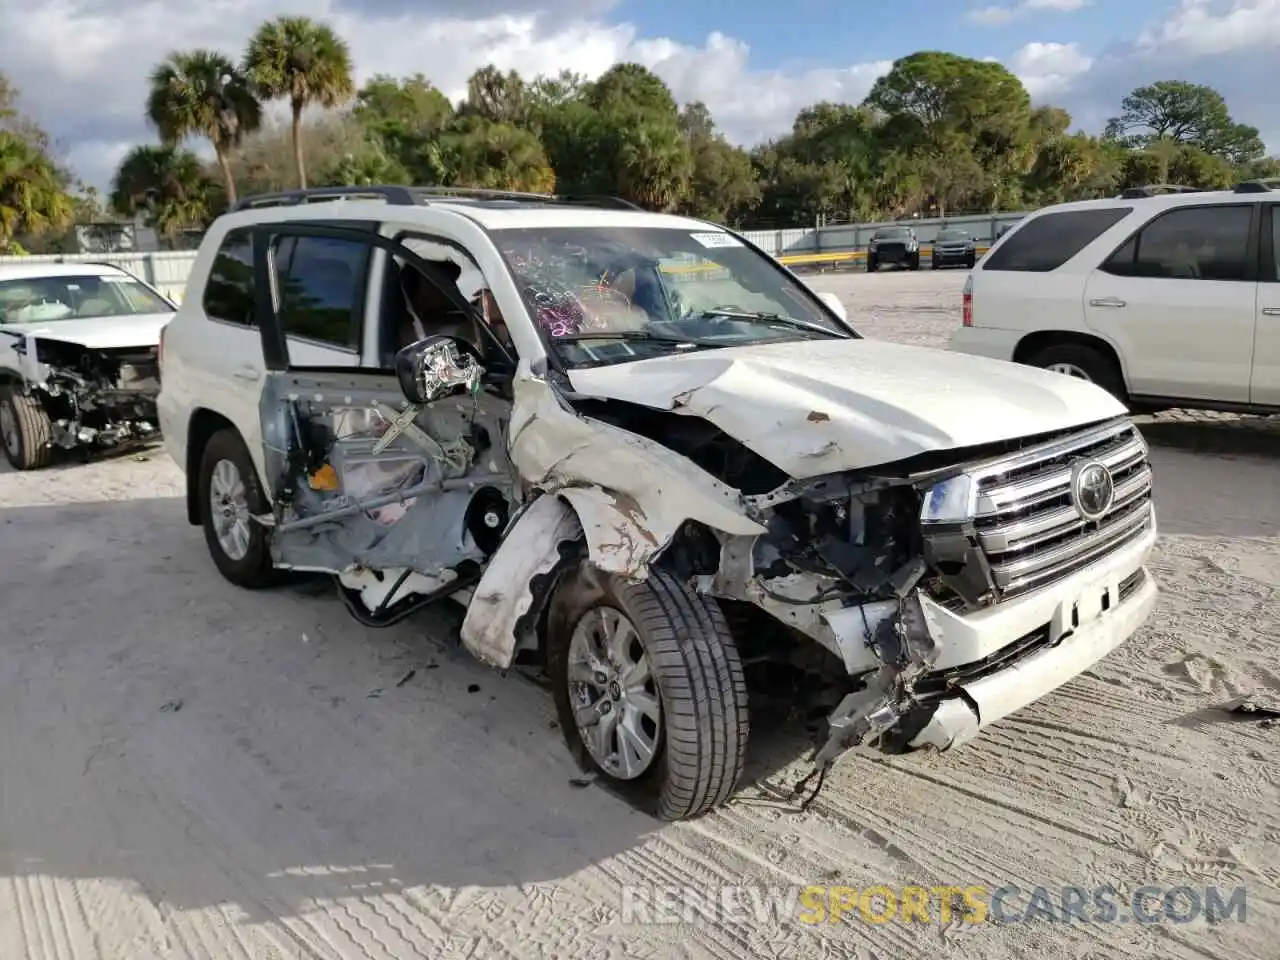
<point>818,406</point>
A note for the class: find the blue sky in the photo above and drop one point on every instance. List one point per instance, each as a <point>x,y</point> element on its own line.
<point>82,64</point>
<point>836,33</point>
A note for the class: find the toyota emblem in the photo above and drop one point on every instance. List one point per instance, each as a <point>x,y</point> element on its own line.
<point>1093,489</point>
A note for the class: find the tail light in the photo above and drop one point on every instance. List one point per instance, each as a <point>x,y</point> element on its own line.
<point>968,301</point>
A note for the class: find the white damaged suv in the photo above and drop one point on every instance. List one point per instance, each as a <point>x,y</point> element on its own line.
<point>78,364</point>
<point>650,460</point>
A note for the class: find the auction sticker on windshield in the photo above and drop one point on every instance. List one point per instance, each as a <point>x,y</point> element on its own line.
<point>716,239</point>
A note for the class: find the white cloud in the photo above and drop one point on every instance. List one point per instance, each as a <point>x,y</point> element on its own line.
<point>1048,67</point>
<point>1202,28</point>
<point>1230,45</point>
<point>82,64</point>
<point>82,67</point>
<point>994,16</point>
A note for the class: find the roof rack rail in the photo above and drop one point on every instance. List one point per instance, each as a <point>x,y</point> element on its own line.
<point>402,196</point>
<point>1258,185</point>
<point>1155,190</point>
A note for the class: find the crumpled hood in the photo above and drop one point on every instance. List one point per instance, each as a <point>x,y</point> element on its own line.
<point>96,333</point>
<point>819,406</point>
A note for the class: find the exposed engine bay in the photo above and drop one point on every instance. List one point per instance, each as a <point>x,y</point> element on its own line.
<point>93,397</point>
<point>403,505</point>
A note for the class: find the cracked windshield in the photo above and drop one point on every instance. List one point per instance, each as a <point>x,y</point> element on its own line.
<point>610,295</point>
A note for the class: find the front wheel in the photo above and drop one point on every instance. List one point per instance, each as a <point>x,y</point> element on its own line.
<point>871,264</point>
<point>649,689</point>
<point>914,262</point>
<point>26,432</point>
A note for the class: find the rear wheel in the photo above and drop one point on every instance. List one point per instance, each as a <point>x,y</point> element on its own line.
<point>871,264</point>
<point>649,688</point>
<point>971,260</point>
<point>1084,363</point>
<point>229,494</point>
<point>26,432</point>
<point>914,262</point>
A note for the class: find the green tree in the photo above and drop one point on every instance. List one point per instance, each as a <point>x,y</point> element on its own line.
<point>497,97</point>
<point>654,165</point>
<point>496,156</point>
<point>723,183</point>
<point>967,123</point>
<point>167,186</point>
<point>304,62</point>
<point>203,94</point>
<point>33,198</point>
<point>1264,168</point>
<point>404,120</point>
<point>1184,112</point>
<point>629,90</point>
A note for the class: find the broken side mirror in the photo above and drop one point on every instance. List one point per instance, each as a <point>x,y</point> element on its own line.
<point>436,367</point>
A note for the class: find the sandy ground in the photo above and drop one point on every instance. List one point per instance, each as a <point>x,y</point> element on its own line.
<point>188,770</point>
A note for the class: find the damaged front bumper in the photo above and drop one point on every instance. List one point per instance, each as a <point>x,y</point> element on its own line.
<point>960,673</point>
<point>99,398</point>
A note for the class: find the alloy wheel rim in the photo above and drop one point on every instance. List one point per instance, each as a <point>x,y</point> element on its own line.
<point>616,705</point>
<point>1070,370</point>
<point>8,427</point>
<point>229,508</point>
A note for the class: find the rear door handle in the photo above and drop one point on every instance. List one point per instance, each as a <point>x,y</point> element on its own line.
<point>1106,302</point>
<point>1271,311</point>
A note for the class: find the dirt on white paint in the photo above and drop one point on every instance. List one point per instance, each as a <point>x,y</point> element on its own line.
<point>191,770</point>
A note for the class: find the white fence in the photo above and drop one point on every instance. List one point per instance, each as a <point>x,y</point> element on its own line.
<point>168,270</point>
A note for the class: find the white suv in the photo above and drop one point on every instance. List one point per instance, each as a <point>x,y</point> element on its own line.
<point>78,368</point>
<point>653,462</point>
<point>1166,299</point>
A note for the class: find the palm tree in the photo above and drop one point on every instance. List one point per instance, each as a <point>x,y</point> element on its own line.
<point>204,94</point>
<point>304,62</point>
<point>33,198</point>
<point>166,185</point>
<point>654,165</point>
<point>496,156</point>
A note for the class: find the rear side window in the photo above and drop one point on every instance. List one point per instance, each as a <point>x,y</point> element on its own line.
<point>228,294</point>
<point>1193,243</point>
<point>322,287</point>
<point>1046,243</point>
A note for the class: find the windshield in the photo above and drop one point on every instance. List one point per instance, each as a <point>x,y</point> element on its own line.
<point>609,294</point>
<point>44,299</point>
<point>892,233</point>
<point>952,235</point>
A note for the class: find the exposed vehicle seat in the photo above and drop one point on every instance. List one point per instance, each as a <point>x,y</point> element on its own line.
<point>94,307</point>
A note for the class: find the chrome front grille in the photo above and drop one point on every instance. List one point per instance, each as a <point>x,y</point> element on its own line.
<point>1029,528</point>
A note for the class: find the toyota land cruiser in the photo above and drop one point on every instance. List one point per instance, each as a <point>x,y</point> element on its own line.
<point>645,456</point>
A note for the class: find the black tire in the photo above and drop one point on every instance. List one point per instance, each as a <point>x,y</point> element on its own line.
<point>695,665</point>
<point>255,568</point>
<point>914,262</point>
<point>971,260</point>
<point>871,264</point>
<point>934,264</point>
<point>34,441</point>
<point>1097,367</point>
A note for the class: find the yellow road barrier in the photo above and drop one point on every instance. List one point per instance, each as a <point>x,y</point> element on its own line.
<point>806,259</point>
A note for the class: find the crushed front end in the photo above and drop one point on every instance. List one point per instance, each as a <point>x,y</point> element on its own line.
<point>94,398</point>
<point>954,594</point>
